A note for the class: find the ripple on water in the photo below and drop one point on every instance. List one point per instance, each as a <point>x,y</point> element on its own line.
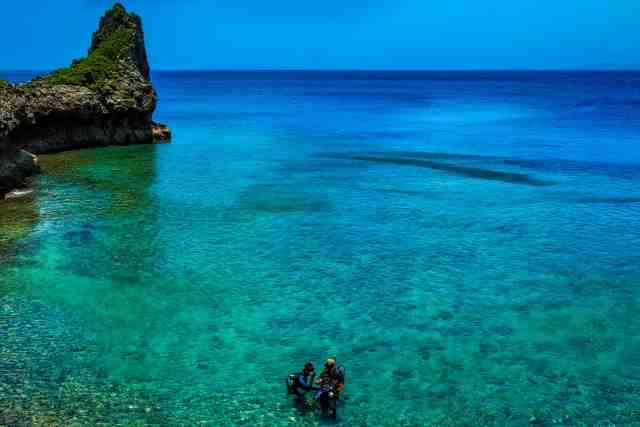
<point>143,292</point>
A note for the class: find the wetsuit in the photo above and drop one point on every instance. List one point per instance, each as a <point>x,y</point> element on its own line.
<point>302,384</point>
<point>332,377</point>
<point>330,380</point>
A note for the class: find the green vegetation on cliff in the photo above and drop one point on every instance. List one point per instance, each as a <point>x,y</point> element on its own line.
<point>114,18</point>
<point>4,84</point>
<point>100,65</point>
<point>113,42</point>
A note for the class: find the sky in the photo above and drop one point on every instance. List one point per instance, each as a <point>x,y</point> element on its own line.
<point>338,34</point>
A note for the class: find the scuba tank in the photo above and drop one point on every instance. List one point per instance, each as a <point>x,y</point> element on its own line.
<point>340,374</point>
<point>291,382</point>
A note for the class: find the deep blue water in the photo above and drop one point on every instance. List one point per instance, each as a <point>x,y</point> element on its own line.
<point>466,243</point>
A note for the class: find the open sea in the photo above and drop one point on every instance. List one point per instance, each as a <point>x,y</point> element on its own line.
<point>466,243</point>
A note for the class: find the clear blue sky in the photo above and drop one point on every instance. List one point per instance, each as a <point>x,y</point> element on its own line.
<point>338,34</point>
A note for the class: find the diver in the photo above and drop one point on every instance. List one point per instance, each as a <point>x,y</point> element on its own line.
<point>331,383</point>
<point>332,374</point>
<point>301,382</point>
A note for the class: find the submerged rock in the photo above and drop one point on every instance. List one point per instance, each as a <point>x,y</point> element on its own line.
<point>18,194</point>
<point>161,132</point>
<point>103,99</point>
<point>15,167</point>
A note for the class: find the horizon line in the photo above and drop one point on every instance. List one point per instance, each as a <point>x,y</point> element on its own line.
<point>374,70</point>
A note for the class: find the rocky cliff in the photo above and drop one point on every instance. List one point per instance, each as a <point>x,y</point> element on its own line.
<point>103,99</point>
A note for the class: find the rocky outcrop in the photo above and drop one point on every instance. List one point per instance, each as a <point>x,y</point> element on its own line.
<point>15,168</point>
<point>161,132</point>
<point>112,22</point>
<point>104,99</point>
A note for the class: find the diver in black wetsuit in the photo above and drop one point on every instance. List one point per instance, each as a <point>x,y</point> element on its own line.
<point>331,383</point>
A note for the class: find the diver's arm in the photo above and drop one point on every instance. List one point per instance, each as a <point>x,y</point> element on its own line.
<point>304,384</point>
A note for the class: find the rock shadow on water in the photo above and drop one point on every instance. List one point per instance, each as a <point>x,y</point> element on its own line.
<point>276,199</point>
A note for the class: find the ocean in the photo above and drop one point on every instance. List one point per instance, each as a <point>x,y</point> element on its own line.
<point>467,244</point>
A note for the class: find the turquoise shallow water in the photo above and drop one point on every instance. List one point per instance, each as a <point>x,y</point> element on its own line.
<point>467,244</point>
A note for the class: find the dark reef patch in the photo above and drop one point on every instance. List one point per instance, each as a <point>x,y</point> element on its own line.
<point>433,155</point>
<point>624,171</point>
<point>551,165</point>
<point>267,198</point>
<point>17,219</point>
<point>460,170</point>
<point>79,238</point>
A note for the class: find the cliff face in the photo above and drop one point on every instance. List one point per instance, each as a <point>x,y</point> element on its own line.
<point>44,118</point>
<point>115,20</point>
<point>103,99</point>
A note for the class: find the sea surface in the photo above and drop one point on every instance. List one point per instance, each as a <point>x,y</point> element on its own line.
<point>466,243</point>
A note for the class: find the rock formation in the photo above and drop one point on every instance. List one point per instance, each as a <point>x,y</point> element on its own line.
<point>103,99</point>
